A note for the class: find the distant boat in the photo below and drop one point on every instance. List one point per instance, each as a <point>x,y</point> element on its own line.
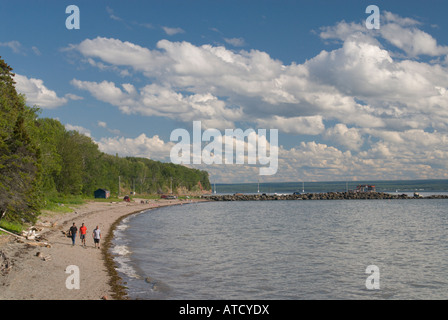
<point>303,190</point>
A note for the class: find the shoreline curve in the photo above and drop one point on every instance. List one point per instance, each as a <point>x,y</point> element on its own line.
<point>37,272</point>
<point>116,282</point>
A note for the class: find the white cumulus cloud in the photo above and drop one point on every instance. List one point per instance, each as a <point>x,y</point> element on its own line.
<point>37,93</point>
<point>372,106</point>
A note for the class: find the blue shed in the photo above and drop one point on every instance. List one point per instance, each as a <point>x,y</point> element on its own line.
<point>102,193</point>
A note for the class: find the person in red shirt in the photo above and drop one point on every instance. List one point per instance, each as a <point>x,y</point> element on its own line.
<point>83,231</point>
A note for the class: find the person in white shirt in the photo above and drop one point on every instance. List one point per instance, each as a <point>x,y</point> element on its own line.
<point>96,236</point>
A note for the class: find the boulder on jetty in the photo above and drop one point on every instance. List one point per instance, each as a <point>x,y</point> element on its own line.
<point>318,196</point>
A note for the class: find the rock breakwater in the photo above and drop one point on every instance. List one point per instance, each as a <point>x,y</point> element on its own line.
<point>319,196</point>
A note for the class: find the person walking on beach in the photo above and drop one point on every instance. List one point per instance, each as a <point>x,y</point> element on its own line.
<point>83,231</point>
<point>72,233</point>
<point>96,236</point>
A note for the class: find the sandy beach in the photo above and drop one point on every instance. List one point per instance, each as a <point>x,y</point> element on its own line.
<point>40,272</point>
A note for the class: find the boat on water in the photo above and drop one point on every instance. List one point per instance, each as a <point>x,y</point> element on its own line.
<point>303,190</point>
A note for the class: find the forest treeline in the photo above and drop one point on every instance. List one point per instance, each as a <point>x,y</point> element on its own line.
<point>40,158</point>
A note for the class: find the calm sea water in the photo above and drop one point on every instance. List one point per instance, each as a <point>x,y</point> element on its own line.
<point>286,250</point>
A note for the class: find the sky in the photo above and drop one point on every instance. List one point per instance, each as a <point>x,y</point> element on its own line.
<point>349,102</point>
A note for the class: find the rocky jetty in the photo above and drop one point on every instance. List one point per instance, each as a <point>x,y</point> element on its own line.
<point>319,196</point>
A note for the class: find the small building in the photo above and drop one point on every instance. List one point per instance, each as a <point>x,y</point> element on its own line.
<point>102,193</point>
<point>365,188</point>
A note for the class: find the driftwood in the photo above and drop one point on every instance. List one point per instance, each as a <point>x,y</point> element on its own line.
<point>36,244</point>
<point>66,233</point>
<point>24,240</point>
<point>13,234</point>
<point>32,235</point>
<point>44,258</point>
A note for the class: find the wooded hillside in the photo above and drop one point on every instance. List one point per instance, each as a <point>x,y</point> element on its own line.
<point>39,158</point>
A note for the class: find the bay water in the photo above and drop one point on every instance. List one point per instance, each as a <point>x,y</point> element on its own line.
<point>286,250</point>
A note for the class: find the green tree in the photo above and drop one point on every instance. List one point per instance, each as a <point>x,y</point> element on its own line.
<point>20,157</point>
<point>50,133</point>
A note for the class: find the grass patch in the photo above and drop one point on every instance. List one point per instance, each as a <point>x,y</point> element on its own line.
<point>66,200</point>
<point>13,227</point>
<point>55,204</point>
<point>57,208</point>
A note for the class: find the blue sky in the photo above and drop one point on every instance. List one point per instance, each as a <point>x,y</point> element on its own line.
<point>349,103</point>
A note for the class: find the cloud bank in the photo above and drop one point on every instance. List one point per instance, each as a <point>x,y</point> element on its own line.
<point>375,107</point>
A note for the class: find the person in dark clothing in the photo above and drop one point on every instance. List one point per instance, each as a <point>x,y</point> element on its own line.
<point>72,233</point>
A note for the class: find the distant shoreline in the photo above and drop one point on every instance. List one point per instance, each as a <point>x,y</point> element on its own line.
<point>420,185</point>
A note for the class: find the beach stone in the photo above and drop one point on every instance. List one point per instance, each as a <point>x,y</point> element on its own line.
<point>5,264</point>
